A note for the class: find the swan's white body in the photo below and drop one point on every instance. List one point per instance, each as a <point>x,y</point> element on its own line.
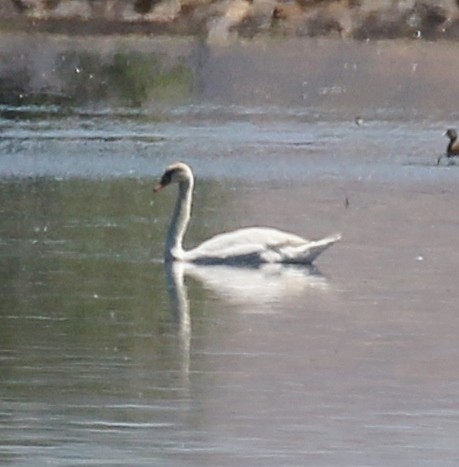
<point>254,245</point>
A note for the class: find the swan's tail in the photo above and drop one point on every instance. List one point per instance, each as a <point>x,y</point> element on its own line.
<point>306,254</point>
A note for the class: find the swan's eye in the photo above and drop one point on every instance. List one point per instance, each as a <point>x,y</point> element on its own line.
<point>166,178</point>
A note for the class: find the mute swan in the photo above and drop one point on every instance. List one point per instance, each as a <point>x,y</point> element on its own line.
<point>254,245</point>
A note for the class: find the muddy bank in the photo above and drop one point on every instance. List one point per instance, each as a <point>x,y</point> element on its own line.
<point>223,19</point>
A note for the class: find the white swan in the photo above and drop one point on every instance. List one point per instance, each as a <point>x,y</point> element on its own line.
<point>254,245</point>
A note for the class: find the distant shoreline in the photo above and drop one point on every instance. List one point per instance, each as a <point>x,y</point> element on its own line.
<point>344,78</point>
<point>224,20</point>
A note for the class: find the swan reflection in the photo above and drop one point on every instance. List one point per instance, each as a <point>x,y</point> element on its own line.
<point>252,289</point>
<point>178,299</point>
<point>261,286</point>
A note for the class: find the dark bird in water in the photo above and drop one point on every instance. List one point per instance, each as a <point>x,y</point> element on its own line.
<point>453,146</point>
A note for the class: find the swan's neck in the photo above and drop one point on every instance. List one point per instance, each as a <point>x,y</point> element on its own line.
<point>179,222</point>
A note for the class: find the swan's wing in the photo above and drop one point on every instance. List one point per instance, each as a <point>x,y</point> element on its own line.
<point>258,245</point>
<point>241,245</point>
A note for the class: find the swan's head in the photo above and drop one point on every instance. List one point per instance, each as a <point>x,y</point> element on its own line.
<point>175,173</point>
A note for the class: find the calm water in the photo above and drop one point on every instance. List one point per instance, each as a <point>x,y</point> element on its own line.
<point>108,358</point>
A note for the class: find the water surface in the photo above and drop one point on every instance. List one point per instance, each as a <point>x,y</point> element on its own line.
<point>108,358</point>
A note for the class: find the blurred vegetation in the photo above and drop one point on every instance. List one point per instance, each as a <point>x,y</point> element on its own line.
<point>131,79</point>
<point>81,78</point>
<point>136,79</point>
